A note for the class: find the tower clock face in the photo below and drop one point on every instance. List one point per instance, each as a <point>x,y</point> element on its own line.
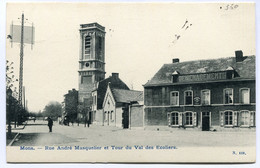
<point>87,64</point>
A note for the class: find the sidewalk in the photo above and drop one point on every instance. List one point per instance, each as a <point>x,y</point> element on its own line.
<point>14,133</point>
<point>38,135</point>
<point>18,127</point>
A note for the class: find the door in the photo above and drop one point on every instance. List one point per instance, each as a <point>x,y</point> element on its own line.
<point>125,118</point>
<point>90,117</point>
<point>205,121</point>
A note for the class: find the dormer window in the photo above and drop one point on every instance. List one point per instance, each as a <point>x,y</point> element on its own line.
<point>175,76</point>
<point>230,72</point>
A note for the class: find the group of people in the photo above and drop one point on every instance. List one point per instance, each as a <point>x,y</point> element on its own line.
<point>66,122</point>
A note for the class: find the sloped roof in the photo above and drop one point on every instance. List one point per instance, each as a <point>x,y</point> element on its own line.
<point>115,83</point>
<point>127,96</point>
<point>244,69</point>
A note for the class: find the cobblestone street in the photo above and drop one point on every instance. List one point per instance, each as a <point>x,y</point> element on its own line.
<point>36,134</point>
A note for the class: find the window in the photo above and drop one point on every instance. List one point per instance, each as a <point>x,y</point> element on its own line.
<point>105,115</point>
<point>228,118</point>
<point>94,116</point>
<point>174,98</point>
<point>252,118</point>
<point>95,100</point>
<point>228,96</point>
<point>188,97</point>
<point>87,44</point>
<point>244,118</point>
<point>175,118</point>
<point>100,44</point>
<point>205,97</point>
<point>188,118</point>
<point>111,115</point>
<point>244,96</point>
<point>86,79</point>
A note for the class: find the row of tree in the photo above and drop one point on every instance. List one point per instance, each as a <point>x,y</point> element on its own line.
<point>15,112</point>
<point>53,109</point>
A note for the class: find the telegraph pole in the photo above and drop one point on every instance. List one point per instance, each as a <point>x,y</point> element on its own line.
<point>21,65</point>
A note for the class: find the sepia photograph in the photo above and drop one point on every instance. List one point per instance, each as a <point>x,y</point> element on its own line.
<point>128,82</point>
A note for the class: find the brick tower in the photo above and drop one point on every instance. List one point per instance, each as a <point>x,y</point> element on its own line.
<point>91,59</point>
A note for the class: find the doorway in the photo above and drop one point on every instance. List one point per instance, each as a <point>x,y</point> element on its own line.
<point>205,121</point>
<point>125,118</point>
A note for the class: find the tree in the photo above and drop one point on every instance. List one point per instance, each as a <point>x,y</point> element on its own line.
<point>10,78</point>
<point>71,103</point>
<point>53,109</point>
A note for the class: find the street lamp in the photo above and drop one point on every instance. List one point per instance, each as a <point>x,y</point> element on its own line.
<point>9,94</point>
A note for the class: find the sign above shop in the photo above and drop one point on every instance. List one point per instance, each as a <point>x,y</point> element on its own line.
<point>203,77</point>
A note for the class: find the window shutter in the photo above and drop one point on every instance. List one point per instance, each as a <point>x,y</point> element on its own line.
<point>252,118</point>
<point>169,119</point>
<point>221,118</point>
<point>180,118</point>
<point>235,118</point>
<point>194,119</point>
<point>238,118</point>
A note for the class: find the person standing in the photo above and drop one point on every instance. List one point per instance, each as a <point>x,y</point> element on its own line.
<point>50,124</point>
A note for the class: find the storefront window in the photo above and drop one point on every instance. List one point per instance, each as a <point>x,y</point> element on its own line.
<point>228,118</point>
<point>174,118</point>
<point>188,118</point>
<point>244,118</point>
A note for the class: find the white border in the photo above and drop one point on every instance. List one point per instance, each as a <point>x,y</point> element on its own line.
<point>2,96</point>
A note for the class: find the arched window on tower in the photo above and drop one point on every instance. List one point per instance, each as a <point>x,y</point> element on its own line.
<point>100,47</point>
<point>87,46</point>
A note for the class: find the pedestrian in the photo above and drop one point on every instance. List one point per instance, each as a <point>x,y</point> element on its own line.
<point>50,124</point>
<point>88,122</point>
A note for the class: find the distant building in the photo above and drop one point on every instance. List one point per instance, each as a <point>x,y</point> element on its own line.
<point>98,95</point>
<point>116,106</point>
<point>70,105</point>
<point>204,95</point>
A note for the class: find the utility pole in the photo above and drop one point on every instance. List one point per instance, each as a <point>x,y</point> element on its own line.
<point>21,65</point>
<point>24,104</point>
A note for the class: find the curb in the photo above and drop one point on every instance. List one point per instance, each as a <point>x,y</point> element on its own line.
<point>20,128</point>
<point>10,144</point>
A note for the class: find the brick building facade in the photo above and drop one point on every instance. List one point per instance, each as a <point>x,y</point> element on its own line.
<point>205,94</point>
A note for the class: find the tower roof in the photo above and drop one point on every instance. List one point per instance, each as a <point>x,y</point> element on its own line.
<point>92,26</point>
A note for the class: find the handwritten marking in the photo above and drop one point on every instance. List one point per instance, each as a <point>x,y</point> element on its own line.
<point>230,7</point>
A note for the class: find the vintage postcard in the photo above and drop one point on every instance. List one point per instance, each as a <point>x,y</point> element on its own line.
<point>131,82</point>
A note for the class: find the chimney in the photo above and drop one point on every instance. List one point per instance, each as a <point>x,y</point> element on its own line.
<point>175,60</point>
<point>115,75</point>
<point>239,55</point>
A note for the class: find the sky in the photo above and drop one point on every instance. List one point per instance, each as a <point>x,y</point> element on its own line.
<point>140,38</point>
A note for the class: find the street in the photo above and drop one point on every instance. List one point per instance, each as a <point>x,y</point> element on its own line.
<point>37,134</point>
